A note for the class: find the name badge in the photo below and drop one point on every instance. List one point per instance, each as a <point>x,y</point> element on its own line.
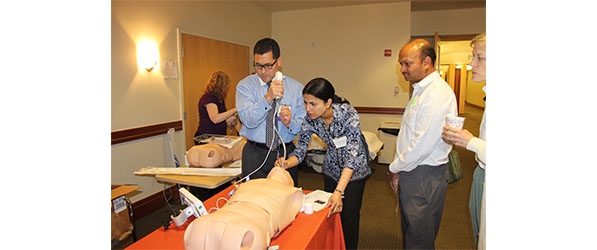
<point>340,142</point>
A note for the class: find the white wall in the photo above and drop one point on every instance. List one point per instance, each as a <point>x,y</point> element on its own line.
<point>140,98</point>
<point>349,44</point>
<point>348,49</point>
<point>346,44</point>
<point>448,22</point>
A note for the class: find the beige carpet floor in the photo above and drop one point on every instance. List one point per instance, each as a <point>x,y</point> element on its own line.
<point>380,219</point>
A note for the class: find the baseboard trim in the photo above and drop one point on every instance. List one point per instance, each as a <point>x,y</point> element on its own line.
<point>379,110</point>
<point>154,202</point>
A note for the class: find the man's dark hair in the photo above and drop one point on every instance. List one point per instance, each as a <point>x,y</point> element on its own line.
<point>265,45</point>
<point>428,50</point>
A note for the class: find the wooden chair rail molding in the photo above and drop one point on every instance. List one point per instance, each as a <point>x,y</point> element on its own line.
<point>132,134</point>
<point>380,110</point>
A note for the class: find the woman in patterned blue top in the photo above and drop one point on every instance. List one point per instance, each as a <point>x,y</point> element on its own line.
<point>346,163</point>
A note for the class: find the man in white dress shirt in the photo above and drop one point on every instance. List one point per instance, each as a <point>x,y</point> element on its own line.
<point>418,173</point>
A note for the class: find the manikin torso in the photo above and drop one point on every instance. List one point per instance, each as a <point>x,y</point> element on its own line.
<point>258,210</point>
<point>212,155</point>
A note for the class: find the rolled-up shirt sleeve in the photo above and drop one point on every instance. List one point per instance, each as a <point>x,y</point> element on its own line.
<point>478,146</point>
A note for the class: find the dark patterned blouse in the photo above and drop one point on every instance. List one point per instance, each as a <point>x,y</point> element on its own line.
<point>346,124</point>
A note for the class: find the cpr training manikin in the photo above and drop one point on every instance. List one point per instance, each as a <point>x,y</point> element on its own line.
<point>212,155</point>
<point>258,211</point>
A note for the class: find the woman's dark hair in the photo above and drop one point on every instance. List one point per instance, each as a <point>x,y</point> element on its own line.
<point>323,89</point>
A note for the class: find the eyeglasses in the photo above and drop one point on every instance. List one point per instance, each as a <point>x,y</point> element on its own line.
<point>266,66</point>
<point>472,58</point>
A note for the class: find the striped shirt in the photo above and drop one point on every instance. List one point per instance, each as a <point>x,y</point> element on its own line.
<point>420,140</point>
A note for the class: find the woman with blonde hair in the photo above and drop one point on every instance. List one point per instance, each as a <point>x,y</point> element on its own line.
<point>464,138</point>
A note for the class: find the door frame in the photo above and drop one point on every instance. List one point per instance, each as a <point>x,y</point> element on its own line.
<point>456,84</point>
<point>230,57</point>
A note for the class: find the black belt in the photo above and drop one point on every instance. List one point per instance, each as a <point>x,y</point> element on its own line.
<point>265,147</point>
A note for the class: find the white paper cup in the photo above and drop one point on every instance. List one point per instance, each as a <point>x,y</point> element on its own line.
<point>455,121</point>
<point>308,208</point>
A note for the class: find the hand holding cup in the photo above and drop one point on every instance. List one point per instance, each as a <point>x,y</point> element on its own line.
<point>453,132</point>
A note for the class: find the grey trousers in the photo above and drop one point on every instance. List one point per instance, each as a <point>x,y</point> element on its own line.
<point>474,203</point>
<point>421,196</point>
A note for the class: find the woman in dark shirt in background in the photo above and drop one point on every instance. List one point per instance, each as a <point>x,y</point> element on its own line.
<point>346,162</point>
<point>213,116</point>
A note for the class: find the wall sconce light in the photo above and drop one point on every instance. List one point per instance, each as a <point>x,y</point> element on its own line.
<point>147,55</point>
<point>469,67</point>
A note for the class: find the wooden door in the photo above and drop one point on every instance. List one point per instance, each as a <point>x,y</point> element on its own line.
<point>453,79</point>
<point>438,51</point>
<point>454,75</point>
<point>201,57</point>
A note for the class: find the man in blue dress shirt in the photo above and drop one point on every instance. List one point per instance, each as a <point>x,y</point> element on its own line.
<point>256,95</point>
